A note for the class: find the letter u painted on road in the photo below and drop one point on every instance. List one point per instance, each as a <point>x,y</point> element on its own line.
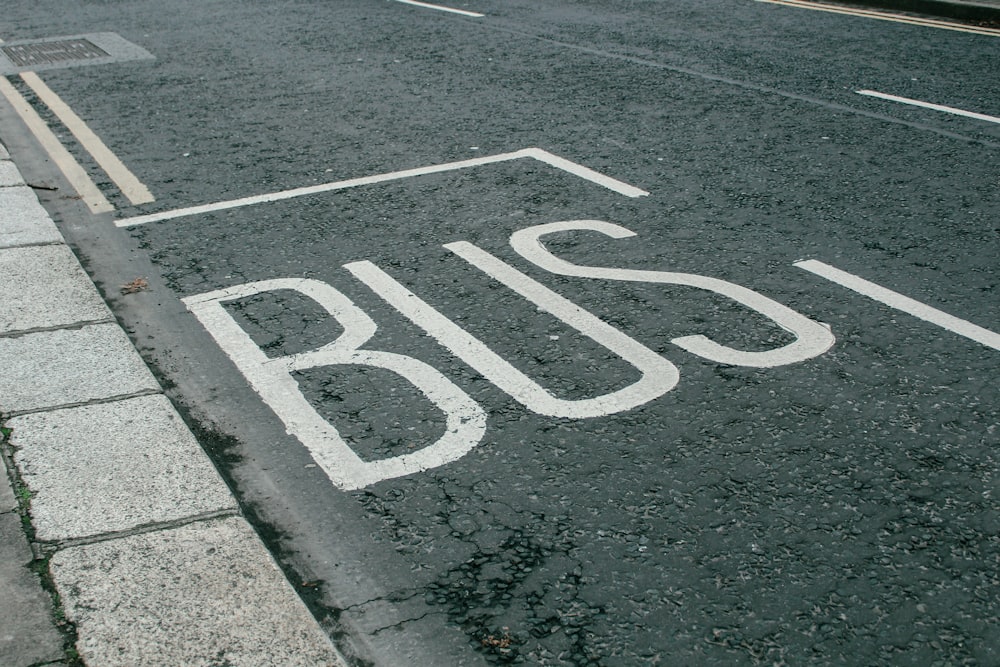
<point>658,375</point>
<point>272,379</point>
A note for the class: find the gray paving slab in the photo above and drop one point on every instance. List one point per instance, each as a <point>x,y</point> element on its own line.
<point>70,366</point>
<point>45,287</point>
<point>9,175</point>
<point>4,155</point>
<point>23,221</point>
<point>113,467</point>
<point>207,593</point>
<point>28,635</point>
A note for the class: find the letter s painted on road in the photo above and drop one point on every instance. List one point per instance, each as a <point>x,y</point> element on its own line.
<point>811,338</point>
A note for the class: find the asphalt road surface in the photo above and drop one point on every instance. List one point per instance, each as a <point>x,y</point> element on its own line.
<point>649,435</point>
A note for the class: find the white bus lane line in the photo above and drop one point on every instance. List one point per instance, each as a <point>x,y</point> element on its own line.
<point>534,153</point>
<point>130,186</point>
<point>902,303</point>
<point>929,105</point>
<point>442,8</point>
<point>885,16</point>
<point>67,164</point>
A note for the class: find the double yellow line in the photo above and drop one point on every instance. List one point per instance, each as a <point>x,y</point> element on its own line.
<point>90,194</point>
<point>886,16</point>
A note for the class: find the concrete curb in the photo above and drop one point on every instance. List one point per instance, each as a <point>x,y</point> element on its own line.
<point>146,546</point>
<point>952,9</point>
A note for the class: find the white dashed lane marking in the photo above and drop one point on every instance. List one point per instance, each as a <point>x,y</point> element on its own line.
<point>928,105</point>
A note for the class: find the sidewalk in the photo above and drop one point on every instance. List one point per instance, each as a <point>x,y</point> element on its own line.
<point>111,502</point>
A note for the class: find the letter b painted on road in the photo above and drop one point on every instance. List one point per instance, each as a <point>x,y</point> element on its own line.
<point>271,378</point>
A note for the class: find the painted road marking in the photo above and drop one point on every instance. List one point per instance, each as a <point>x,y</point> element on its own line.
<point>441,8</point>
<point>811,338</point>
<point>903,303</point>
<point>535,153</point>
<point>885,16</point>
<point>272,379</point>
<point>658,375</point>
<point>466,421</point>
<point>131,187</point>
<point>67,164</point>
<point>584,172</point>
<point>928,105</point>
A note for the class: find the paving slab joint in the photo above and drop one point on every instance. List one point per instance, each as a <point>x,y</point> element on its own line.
<point>50,547</point>
<point>74,325</point>
<point>80,404</point>
<point>33,244</point>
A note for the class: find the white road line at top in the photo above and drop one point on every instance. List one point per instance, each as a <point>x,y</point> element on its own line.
<point>903,303</point>
<point>442,9</point>
<point>883,16</point>
<point>315,189</point>
<point>536,153</point>
<point>71,169</point>
<point>585,173</point>
<point>131,187</point>
<point>928,105</point>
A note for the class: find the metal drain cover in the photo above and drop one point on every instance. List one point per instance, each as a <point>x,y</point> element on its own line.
<point>49,53</point>
<point>73,51</point>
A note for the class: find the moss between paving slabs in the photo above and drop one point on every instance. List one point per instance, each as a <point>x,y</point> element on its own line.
<point>40,564</point>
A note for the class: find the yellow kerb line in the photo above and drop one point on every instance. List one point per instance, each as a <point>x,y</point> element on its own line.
<point>884,16</point>
<point>75,174</point>
<point>131,187</point>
